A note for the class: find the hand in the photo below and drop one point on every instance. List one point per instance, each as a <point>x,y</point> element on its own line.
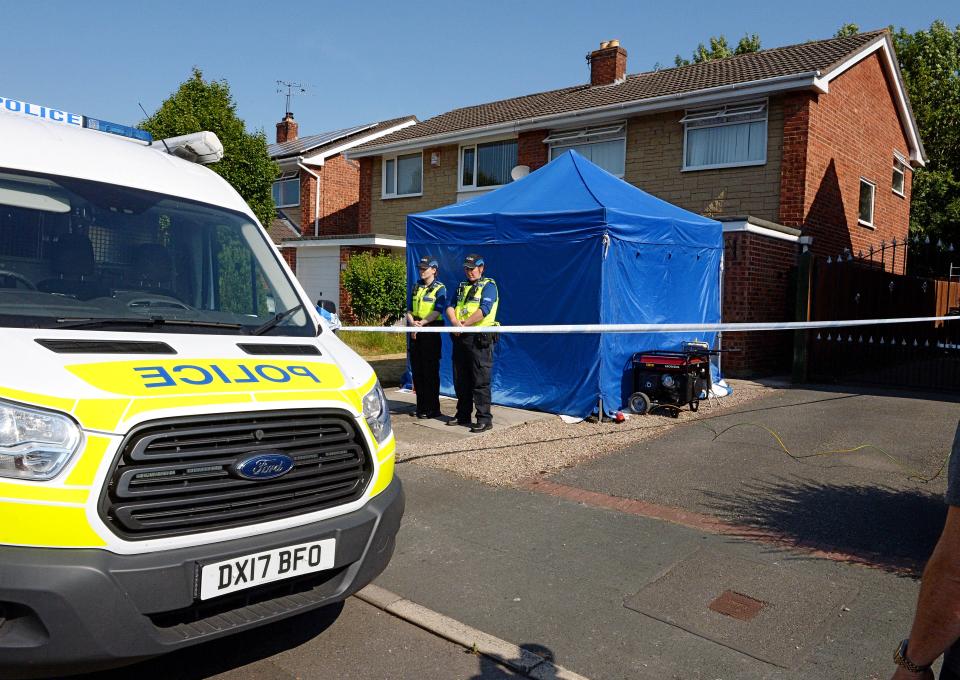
<point>413,336</point>
<point>418,323</point>
<point>903,674</point>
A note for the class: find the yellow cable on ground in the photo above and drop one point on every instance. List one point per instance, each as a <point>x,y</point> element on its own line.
<point>911,473</point>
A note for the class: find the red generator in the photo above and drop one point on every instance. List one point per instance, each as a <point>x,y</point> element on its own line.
<point>662,377</point>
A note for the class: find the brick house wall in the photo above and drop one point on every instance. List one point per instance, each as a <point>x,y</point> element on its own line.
<point>339,197</point>
<point>655,158</point>
<point>389,216</point>
<point>531,150</point>
<point>364,217</point>
<point>832,141</point>
<point>756,287</point>
<point>290,257</point>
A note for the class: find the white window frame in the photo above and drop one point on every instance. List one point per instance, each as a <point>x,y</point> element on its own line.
<point>899,165</point>
<point>561,140</point>
<point>461,187</point>
<point>383,176</point>
<point>286,177</point>
<point>703,117</point>
<point>873,203</point>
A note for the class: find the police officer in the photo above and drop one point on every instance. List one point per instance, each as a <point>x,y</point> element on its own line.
<point>475,305</point>
<point>427,300</point>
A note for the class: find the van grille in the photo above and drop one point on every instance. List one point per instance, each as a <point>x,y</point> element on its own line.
<point>176,477</point>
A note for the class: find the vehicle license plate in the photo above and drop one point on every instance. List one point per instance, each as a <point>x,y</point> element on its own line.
<point>249,571</point>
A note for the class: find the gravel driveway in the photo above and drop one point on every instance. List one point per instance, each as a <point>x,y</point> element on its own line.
<point>519,453</point>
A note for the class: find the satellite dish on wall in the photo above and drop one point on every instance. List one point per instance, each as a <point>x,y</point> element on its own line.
<point>519,172</point>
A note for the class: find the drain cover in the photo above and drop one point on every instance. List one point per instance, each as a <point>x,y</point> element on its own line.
<point>737,605</point>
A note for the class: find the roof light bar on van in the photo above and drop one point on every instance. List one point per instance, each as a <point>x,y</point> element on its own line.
<point>72,119</point>
<point>198,147</point>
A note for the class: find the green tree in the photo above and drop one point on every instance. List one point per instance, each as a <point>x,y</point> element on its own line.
<point>207,105</point>
<point>720,49</point>
<point>845,30</point>
<point>378,287</point>
<point>930,62</point>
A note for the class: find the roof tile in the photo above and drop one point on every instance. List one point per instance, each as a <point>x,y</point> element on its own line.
<point>818,55</point>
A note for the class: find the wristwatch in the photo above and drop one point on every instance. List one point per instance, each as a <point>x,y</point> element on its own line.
<point>901,659</point>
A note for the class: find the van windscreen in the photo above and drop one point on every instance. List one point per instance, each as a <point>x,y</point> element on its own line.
<point>75,249</point>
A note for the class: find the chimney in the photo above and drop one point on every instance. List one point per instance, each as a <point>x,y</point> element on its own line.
<point>286,129</point>
<point>608,65</point>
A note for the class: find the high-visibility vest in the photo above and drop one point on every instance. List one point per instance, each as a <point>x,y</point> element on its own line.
<point>468,301</point>
<point>424,299</point>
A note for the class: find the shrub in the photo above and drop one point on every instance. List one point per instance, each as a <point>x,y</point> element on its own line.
<point>377,285</point>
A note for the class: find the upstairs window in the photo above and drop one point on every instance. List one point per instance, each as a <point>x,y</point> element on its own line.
<point>726,136</point>
<point>867,191</point>
<point>286,190</point>
<point>604,145</point>
<point>488,165</point>
<point>899,174</point>
<point>403,175</point>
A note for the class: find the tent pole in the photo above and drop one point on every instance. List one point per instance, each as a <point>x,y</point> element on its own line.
<point>600,411</point>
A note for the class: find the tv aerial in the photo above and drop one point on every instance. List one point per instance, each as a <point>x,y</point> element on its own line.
<point>291,90</point>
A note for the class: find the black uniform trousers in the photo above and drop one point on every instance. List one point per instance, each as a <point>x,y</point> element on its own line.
<point>425,362</point>
<point>472,366</point>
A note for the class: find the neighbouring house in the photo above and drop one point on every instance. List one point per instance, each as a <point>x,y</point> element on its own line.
<point>317,225</point>
<point>809,145</point>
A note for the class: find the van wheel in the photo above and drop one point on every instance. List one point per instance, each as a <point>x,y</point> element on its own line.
<point>639,403</point>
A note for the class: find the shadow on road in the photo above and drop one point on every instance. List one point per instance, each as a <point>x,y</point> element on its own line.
<point>225,654</point>
<point>892,529</point>
<point>491,670</point>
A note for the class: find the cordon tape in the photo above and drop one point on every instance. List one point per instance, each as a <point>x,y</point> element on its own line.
<point>653,327</point>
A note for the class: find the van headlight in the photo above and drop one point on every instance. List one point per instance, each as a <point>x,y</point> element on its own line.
<point>377,413</point>
<point>35,444</point>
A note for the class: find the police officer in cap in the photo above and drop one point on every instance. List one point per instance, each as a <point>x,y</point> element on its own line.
<point>475,305</point>
<point>427,300</point>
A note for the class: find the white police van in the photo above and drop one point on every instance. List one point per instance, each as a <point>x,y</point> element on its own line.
<point>186,450</point>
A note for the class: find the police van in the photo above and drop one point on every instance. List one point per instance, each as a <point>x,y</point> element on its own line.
<point>186,449</point>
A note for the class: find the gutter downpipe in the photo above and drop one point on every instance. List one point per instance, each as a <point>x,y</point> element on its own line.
<point>316,207</point>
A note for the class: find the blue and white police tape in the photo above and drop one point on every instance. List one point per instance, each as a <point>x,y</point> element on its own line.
<point>653,327</point>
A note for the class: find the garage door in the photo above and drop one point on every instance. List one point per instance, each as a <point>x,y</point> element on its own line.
<point>319,272</point>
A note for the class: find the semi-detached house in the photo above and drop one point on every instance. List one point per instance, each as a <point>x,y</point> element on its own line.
<point>811,144</point>
<point>317,197</point>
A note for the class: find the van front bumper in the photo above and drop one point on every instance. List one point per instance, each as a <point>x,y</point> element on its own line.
<point>69,610</point>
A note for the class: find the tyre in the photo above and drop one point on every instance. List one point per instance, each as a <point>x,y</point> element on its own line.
<point>639,403</point>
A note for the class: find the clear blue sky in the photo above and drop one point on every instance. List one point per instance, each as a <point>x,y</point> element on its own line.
<point>367,61</point>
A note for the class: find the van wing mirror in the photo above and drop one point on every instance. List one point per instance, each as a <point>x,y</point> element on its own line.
<point>327,306</point>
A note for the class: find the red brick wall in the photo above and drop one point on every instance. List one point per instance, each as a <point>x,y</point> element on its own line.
<point>793,166</point>
<point>366,196</point>
<point>851,132</point>
<point>756,286</point>
<point>531,150</point>
<point>290,255</point>
<point>339,196</point>
<point>308,193</point>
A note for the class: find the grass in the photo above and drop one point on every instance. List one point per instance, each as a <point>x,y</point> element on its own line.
<point>371,343</point>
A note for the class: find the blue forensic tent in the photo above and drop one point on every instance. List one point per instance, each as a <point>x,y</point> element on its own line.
<point>572,244</point>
